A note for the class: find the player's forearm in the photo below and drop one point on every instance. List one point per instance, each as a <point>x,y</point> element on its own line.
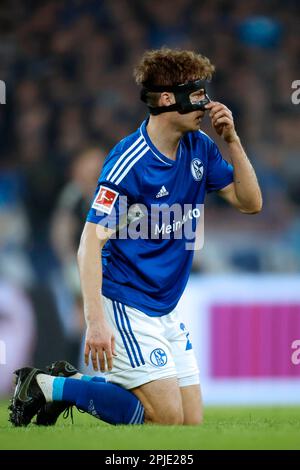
<point>246,185</point>
<point>90,269</point>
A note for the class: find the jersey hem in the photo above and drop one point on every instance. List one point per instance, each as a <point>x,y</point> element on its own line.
<point>129,303</point>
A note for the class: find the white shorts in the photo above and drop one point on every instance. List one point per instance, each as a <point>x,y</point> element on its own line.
<point>149,348</point>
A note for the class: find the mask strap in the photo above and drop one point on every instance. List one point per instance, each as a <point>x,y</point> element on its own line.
<point>180,91</point>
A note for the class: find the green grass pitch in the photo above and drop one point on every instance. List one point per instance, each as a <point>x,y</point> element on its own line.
<point>224,428</point>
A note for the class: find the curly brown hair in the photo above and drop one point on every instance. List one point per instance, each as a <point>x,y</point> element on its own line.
<point>172,67</point>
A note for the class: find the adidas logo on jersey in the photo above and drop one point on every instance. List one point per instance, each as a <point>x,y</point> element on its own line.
<point>162,192</point>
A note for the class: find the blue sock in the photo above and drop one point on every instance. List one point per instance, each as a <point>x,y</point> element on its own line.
<point>94,378</point>
<point>104,400</point>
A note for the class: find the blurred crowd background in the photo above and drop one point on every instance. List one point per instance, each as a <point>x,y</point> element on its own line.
<point>70,97</point>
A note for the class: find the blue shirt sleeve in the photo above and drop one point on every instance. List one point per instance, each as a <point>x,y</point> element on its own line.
<point>220,172</point>
<point>109,206</point>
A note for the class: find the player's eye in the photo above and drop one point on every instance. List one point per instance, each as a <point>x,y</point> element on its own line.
<point>197,97</point>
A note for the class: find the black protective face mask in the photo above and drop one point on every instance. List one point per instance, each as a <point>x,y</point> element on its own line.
<point>182,95</point>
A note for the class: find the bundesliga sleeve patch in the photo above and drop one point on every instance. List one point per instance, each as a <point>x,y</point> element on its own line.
<point>105,200</point>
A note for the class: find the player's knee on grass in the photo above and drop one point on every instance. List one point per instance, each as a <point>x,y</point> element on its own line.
<point>162,401</point>
<point>167,419</point>
<point>193,420</point>
<point>161,411</point>
<point>168,415</point>
<point>192,404</point>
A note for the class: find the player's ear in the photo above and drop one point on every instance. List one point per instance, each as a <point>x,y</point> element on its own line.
<point>166,99</point>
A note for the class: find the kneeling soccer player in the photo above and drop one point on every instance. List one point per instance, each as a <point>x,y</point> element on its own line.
<point>131,285</point>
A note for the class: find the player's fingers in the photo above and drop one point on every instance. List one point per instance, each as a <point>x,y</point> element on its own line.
<point>211,104</point>
<point>101,359</point>
<point>109,359</point>
<point>216,109</point>
<point>222,112</point>
<point>86,354</point>
<point>94,358</point>
<point>216,104</point>
<point>224,120</point>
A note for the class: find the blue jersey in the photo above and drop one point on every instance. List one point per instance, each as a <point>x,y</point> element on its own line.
<point>151,272</point>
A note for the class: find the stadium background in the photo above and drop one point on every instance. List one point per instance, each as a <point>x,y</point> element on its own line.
<point>70,96</point>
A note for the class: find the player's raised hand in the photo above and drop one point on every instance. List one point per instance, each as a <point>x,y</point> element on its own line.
<point>100,344</point>
<point>222,121</point>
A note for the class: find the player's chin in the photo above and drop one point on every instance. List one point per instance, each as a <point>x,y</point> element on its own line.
<point>196,125</point>
<point>193,125</point>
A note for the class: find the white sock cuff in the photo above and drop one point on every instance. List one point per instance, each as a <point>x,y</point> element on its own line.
<point>46,384</point>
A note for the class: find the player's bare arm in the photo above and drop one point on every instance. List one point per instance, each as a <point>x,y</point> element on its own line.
<point>244,193</point>
<point>100,341</point>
